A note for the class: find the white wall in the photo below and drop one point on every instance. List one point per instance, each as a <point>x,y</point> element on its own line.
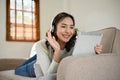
<point>89,15</point>
<point>95,14</point>
<point>49,9</point>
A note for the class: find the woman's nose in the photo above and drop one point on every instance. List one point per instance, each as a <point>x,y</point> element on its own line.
<point>67,30</point>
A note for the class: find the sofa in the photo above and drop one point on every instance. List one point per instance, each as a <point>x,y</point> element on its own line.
<point>104,66</point>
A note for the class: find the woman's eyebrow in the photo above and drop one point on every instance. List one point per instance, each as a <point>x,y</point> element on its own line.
<point>66,24</point>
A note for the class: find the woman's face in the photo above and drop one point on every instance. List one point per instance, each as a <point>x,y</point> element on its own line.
<point>65,30</point>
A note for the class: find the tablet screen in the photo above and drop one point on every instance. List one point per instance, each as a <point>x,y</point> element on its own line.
<point>85,43</point>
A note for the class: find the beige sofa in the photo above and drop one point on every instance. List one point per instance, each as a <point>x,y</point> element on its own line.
<point>99,67</point>
<point>105,66</point>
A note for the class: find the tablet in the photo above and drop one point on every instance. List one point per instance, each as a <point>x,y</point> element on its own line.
<point>85,43</point>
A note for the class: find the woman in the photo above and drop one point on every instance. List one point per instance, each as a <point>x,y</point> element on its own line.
<point>58,44</point>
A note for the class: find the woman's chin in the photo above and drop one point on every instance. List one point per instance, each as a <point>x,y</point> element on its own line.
<point>66,40</point>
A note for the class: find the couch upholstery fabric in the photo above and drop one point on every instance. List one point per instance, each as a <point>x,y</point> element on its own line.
<point>98,67</point>
<point>8,75</point>
<point>108,39</point>
<point>116,45</point>
<point>8,64</point>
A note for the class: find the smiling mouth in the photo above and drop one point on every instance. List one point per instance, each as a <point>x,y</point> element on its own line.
<point>66,36</point>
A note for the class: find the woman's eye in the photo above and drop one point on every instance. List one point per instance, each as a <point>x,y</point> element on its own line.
<point>71,27</point>
<point>63,26</point>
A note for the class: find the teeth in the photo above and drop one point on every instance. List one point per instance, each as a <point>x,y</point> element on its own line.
<point>66,36</point>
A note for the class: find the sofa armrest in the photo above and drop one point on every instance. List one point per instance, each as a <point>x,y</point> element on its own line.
<point>10,63</point>
<point>97,67</point>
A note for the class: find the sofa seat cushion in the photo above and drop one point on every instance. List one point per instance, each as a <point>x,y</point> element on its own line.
<point>9,75</point>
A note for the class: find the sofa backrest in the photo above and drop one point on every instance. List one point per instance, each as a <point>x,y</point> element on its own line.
<point>107,39</point>
<point>116,45</point>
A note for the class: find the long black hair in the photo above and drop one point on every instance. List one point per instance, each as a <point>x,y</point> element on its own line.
<point>55,21</point>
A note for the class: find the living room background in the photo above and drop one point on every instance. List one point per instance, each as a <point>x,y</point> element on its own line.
<point>89,15</point>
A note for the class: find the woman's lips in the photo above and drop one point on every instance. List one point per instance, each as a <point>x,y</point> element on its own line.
<point>66,36</point>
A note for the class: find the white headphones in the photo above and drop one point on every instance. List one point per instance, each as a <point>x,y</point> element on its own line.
<point>52,26</point>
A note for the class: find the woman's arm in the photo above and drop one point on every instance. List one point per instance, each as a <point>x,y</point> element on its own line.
<point>43,60</point>
<point>51,39</point>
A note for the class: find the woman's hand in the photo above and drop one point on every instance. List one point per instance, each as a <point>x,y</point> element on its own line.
<point>51,39</point>
<point>98,49</point>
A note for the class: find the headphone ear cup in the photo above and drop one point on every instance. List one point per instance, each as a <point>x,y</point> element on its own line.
<point>52,28</point>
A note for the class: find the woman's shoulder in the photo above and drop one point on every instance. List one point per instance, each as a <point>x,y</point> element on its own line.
<point>42,41</point>
<point>40,46</point>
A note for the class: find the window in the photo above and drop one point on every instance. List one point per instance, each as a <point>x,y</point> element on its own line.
<point>22,20</point>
